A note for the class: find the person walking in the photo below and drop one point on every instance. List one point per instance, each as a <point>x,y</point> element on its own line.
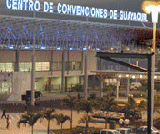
<point>121,122</point>
<point>8,119</point>
<point>4,113</point>
<point>126,122</point>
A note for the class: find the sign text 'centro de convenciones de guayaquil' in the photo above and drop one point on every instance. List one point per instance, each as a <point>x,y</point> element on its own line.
<point>77,10</point>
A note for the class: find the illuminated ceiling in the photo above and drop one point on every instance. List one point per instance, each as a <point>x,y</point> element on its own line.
<point>18,32</point>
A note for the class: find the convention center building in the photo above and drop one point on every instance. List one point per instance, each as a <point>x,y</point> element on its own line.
<point>60,39</point>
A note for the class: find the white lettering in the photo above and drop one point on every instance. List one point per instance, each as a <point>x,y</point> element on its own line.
<point>30,6</point>
<point>115,14</point>
<point>14,4</point>
<point>59,8</point>
<point>73,10</point>
<point>139,16</point>
<point>111,14</point>
<point>37,5</point>
<point>25,4</point>
<point>51,7</point>
<point>105,13</point>
<point>101,13</point>
<point>19,5</point>
<point>69,11</point>
<point>45,6</point>
<point>97,13</point>
<point>78,10</point>
<point>93,12</point>
<point>64,8</point>
<point>8,4</point>
<point>121,15</point>
<point>87,11</point>
<point>82,11</point>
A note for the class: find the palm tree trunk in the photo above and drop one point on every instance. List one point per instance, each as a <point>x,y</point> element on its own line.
<point>32,129</point>
<point>48,126</point>
<point>61,128</point>
<point>105,123</point>
<point>71,120</point>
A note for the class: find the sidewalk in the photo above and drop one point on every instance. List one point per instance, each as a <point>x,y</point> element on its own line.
<point>38,127</point>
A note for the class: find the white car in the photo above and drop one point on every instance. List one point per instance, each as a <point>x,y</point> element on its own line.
<point>124,130</point>
<point>109,131</point>
<point>143,130</point>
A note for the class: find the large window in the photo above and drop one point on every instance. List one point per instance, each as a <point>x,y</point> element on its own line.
<point>25,66</point>
<point>42,66</point>
<point>57,66</point>
<point>6,67</point>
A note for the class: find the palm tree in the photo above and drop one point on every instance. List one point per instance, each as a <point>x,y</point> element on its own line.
<point>108,104</point>
<point>61,118</point>
<point>49,116</point>
<point>69,101</point>
<point>30,118</point>
<point>86,106</point>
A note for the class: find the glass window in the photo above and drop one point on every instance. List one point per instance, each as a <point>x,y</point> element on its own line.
<point>42,66</point>
<point>25,66</point>
<point>57,66</point>
<point>6,67</point>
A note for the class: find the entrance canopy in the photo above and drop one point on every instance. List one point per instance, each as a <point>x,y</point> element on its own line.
<point>17,32</point>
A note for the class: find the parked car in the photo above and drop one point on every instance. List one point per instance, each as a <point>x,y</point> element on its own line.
<point>143,130</point>
<point>109,131</point>
<point>125,130</point>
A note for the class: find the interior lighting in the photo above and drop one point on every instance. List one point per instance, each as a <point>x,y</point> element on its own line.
<point>97,49</point>
<point>133,77</point>
<point>43,47</point>
<point>140,76</point>
<point>155,77</point>
<point>111,48</point>
<point>120,76</point>
<point>127,75</point>
<point>84,48</point>
<point>58,48</point>
<point>10,47</point>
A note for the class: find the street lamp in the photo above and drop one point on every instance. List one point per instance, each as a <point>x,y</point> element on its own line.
<point>152,7</point>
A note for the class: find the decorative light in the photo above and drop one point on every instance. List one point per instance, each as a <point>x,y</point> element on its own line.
<point>152,7</point>
<point>155,77</point>
<point>140,76</point>
<point>127,75</point>
<point>120,76</point>
<point>133,77</point>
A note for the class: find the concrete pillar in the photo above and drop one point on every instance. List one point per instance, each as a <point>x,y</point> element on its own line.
<point>66,84</point>
<point>82,56</point>
<point>118,85</point>
<point>50,84</point>
<point>51,61</point>
<point>128,86</point>
<point>16,69</point>
<point>85,77</point>
<point>62,72</point>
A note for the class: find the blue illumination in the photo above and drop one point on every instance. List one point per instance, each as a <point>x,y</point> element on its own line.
<point>97,49</point>
<point>43,47</point>
<point>58,48</point>
<point>10,47</point>
<point>84,48</point>
<point>70,48</point>
<point>26,47</point>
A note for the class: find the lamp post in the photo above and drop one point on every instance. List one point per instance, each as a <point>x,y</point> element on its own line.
<point>152,7</point>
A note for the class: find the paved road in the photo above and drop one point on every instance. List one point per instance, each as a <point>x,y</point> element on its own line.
<point>38,127</point>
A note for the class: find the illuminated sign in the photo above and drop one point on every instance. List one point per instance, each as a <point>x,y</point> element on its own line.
<point>76,10</point>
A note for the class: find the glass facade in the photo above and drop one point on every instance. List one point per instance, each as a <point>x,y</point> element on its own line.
<point>25,66</point>
<point>6,67</point>
<point>72,66</point>
<point>40,66</point>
